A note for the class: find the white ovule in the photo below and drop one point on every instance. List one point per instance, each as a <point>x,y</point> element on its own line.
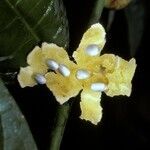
<point>40,79</point>
<point>98,86</point>
<point>82,74</point>
<point>52,64</point>
<point>64,70</point>
<point>92,50</point>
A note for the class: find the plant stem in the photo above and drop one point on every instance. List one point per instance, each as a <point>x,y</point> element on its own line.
<point>111,16</point>
<point>97,11</point>
<point>59,126</point>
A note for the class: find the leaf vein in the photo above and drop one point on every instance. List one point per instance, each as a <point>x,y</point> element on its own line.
<point>9,24</point>
<point>23,21</point>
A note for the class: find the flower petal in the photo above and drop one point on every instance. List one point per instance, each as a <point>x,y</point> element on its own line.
<point>54,52</point>
<point>119,81</point>
<point>62,87</point>
<point>107,62</point>
<point>94,35</point>
<point>36,61</point>
<point>25,77</point>
<point>90,106</point>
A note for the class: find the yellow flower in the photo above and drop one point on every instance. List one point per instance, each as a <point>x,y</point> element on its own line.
<point>91,73</point>
<point>36,66</point>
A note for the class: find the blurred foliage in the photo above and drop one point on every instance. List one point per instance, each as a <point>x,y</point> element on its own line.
<point>26,23</point>
<point>135,15</point>
<point>15,134</point>
<point>23,25</point>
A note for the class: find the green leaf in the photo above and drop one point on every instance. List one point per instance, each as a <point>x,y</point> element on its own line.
<point>135,15</point>
<point>26,23</point>
<point>15,131</point>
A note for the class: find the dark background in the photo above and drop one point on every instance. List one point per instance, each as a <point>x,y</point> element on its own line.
<point>126,121</point>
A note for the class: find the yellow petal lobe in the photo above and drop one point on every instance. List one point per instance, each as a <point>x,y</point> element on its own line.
<point>95,35</point>
<point>90,106</point>
<point>54,52</point>
<point>36,61</point>
<point>119,81</point>
<point>107,62</point>
<point>62,87</point>
<point>25,77</point>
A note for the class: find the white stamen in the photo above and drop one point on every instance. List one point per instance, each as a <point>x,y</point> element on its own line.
<point>40,79</point>
<point>52,64</point>
<point>64,70</point>
<point>82,74</point>
<point>93,50</point>
<point>98,86</point>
